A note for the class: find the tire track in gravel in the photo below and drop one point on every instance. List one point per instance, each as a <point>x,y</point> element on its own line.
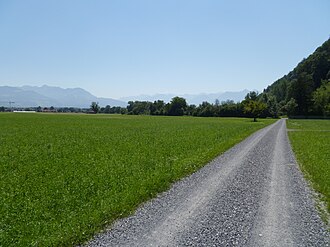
<point>252,195</point>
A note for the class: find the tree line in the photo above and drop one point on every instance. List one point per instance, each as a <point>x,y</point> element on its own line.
<point>304,92</point>
<point>178,106</point>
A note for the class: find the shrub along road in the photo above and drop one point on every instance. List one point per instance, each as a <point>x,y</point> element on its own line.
<point>252,195</point>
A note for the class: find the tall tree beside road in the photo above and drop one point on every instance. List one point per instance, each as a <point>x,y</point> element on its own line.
<point>252,106</point>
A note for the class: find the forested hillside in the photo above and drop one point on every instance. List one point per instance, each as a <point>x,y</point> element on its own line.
<point>305,91</point>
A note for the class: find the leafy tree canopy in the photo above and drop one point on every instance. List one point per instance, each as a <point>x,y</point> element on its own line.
<point>95,107</point>
<point>252,106</point>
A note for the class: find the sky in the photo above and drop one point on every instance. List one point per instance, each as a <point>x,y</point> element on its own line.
<point>117,48</point>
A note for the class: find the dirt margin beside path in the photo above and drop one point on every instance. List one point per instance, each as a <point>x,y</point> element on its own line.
<point>252,195</point>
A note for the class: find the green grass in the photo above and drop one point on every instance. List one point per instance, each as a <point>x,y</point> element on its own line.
<point>311,144</point>
<point>64,177</point>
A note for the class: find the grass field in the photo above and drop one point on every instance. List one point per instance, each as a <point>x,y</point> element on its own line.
<point>311,144</point>
<point>64,177</point>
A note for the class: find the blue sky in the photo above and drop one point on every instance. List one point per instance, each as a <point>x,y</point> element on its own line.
<point>116,48</point>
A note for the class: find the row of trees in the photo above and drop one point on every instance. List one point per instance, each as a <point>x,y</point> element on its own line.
<point>305,91</point>
<point>250,107</point>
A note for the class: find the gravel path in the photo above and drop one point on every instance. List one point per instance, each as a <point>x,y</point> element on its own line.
<point>252,195</point>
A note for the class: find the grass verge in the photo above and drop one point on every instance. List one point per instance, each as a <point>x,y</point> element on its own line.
<point>310,141</point>
<point>64,177</point>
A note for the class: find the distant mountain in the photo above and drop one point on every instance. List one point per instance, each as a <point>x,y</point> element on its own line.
<point>31,96</point>
<point>195,99</point>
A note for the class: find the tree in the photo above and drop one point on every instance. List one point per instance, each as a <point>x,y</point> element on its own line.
<point>206,109</point>
<point>290,107</point>
<point>321,98</point>
<point>191,110</point>
<point>176,107</point>
<point>252,96</point>
<point>253,107</point>
<point>130,107</point>
<point>107,109</point>
<point>271,103</point>
<point>139,107</point>
<point>158,108</point>
<point>301,90</point>
<point>95,107</point>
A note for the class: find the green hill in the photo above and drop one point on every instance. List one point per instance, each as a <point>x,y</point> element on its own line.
<point>305,91</point>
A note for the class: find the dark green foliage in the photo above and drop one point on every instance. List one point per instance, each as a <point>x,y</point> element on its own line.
<point>95,107</point>
<point>176,107</point>
<point>146,108</point>
<point>139,108</point>
<point>112,110</point>
<point>301,90</point>
<point>230,109</point>
<point>272,107</point>
<point>191,109</point>
<point>321,98</point>
<point>158,108</point>
<point>206,110</point>
<point>252,106</point>
<point>106,109</point>
<point>301,83</point>
<point>226,109</point>
<point>290,107</point>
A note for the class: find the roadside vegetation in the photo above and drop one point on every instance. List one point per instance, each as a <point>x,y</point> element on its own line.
<point>63,177</point>
<point>310,140</point>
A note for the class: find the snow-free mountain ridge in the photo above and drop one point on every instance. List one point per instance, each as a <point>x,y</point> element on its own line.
<point>46,96</point>
<point>32,96</point>
<point>195,99</point>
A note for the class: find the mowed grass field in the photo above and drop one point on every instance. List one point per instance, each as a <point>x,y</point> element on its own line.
<point>310,140</point>
<point>64,177</point>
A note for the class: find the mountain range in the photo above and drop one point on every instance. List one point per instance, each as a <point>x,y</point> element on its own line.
<point>195,99</point>
<point>33,96</point>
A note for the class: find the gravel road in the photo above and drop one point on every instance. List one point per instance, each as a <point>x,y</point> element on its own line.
<point>252,195</point>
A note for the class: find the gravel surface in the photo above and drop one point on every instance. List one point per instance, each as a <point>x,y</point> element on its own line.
<point>252,195</point>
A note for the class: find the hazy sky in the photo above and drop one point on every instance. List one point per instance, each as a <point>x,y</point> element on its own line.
<point>116,48</point>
